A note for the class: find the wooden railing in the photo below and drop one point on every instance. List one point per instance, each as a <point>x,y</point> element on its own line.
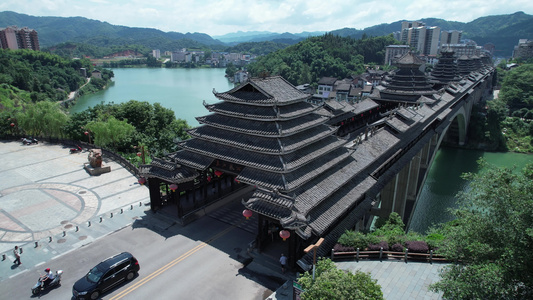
<point>385,255</point>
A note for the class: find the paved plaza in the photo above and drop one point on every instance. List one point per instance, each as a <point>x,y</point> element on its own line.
<point>49,204</point>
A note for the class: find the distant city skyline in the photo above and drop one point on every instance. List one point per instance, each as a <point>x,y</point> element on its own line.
<point>217,18</point>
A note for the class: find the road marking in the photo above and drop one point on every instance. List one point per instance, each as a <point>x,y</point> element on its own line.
<point>174,262</point>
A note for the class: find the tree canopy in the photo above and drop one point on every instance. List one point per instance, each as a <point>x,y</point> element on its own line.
<point>517,88</point>
<point>491,238</point>
<point>328,55</point>
<point>43,75</point>
<point>333,283</point>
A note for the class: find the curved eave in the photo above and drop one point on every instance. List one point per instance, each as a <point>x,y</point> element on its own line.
<point>261,113</point>
<point>284,163</point>
<point>263,128</point>
<point>177,175</point>
<point>290,182</point>
<point>265,145</point>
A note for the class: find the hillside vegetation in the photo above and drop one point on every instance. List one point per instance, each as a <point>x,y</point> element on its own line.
<point>44,76</point>
<point>503,31</point>
<point>328,55</point>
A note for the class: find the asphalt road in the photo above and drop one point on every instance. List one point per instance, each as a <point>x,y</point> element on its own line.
<point>203,260</point>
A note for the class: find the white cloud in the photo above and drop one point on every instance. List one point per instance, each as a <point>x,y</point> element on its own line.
<point>216,17</point>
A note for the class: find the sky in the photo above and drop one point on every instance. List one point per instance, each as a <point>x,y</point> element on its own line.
<point>219,17</point>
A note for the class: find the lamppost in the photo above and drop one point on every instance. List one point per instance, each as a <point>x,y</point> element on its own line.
<point>88,133</point>
<point>141,154</point>
<point>314,247</point>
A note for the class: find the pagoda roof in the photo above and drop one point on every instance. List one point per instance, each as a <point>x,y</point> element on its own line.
<point>263,128</point>
<point>290,181</point>
<point>168,171</point>
<point>252,112</point>
<point>272,145</point>
<point>282,163</point>
<point>264,91</point>
<point>409,59</point>
<point>191,159</point>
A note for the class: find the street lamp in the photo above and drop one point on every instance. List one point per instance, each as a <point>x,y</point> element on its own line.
<point>314,247</point>
<point>141,154</point>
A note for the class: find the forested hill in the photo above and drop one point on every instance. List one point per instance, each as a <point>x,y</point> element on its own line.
<point>328,55</point>
<point>56,30</point>
<point>503,31</point>
<point>41,75</point>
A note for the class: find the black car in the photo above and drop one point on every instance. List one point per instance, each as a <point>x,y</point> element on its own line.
<point>106,275</point>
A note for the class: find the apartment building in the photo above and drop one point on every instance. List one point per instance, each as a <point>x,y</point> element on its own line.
<point>19,38</point>
<point>524,49</point>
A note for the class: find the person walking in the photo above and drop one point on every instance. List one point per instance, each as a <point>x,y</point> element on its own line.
<point>283,262</point>
<point>16,252</point>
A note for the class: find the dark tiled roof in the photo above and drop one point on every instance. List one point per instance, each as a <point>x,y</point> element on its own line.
<point>190,159</point>
<point>283,163</point>
<point>327,81</point>
<point>263,128</point>
<point>274,145</point>
<point>262,112</point>
<point>264,91</point>
<point>168,171</point>
<point>291,181</point>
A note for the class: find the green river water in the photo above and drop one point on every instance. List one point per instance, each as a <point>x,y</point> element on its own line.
<point>184,90</point>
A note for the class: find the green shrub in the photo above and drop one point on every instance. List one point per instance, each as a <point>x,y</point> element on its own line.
<point>434,240</point>
<point>355,239</point>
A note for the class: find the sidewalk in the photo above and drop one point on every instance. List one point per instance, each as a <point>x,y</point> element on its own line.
<point>50,205</point>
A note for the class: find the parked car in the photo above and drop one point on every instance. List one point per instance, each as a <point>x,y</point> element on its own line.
<point>106,275</point>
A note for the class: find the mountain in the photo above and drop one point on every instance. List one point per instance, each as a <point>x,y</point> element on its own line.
<point>262,36</point>
<point>56,30</point>
<point>503,31</point>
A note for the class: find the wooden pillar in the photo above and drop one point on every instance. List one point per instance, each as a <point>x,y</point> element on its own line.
<point>155,195</point>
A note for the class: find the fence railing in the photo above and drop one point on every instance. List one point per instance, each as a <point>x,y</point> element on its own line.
<point>385,255</point>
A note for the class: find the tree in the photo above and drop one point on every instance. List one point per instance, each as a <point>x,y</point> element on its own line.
<point>42,118</point>
<point>110,132</point>
<point>491,238</point>
<point>332,283</point>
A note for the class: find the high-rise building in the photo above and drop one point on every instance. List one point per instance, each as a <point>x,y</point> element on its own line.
<point>451,37</point>
<point>15,38</point>
<point>394,51</point>
<point>424,39</point>
<point>524,49</point>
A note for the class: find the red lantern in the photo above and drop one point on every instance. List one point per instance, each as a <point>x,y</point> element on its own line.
<point>142,180</point>
<point>209,178</point>
<point>247,213</point>
<point>284,234</point>
<point>86,132</point>
<point>173,187</point>
<point>139,154</point>
<point>12,124</point>
<point>218,173</point>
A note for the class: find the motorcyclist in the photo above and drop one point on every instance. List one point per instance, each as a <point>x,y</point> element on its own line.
<point>47,278</point>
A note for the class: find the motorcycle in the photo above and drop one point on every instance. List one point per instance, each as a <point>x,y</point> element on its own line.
<point>75,150</point>
<point>37,289</point>
<point>29,141</point>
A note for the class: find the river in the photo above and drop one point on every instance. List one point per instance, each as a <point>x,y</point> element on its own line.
<point>184,90</point>
<point>444,182</point>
